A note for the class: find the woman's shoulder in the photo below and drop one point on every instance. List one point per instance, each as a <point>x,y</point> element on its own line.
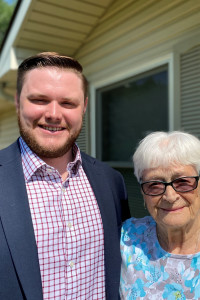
<point>135,223</point>
<point>135,230</point>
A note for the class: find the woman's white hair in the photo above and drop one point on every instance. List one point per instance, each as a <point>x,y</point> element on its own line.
<point>164,148</point>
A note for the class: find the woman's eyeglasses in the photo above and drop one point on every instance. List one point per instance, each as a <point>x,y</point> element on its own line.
<point>182,185</point>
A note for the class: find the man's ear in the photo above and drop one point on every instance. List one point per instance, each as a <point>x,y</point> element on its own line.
<point>85,105</point>
<point>16,102</point>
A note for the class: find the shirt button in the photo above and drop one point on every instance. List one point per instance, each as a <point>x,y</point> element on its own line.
<point>63,189</point>
<point>69,225</point>
<point>71,264</point>
<point>50,171</point>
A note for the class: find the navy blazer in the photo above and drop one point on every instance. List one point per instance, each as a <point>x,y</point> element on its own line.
<point>19,266</point>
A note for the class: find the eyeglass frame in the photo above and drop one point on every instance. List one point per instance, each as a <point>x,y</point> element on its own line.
<point>171,184</point>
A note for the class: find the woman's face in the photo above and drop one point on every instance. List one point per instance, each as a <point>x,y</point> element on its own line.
<point>173,209</point>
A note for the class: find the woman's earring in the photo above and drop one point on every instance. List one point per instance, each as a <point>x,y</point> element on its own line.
<point>145,205</point>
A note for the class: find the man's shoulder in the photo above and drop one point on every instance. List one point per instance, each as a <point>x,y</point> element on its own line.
<point>100,166</point>
<point>94,161</point>
<point>10,152</point>
<point>90,159</point>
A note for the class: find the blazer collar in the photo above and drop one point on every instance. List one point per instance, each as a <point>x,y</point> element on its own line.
<point>17,223</point>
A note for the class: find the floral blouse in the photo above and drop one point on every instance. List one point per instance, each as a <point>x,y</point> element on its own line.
<point>149,272</point>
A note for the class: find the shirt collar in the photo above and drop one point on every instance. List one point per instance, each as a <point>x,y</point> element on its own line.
<point>31,162</point>
<point>73,167</point>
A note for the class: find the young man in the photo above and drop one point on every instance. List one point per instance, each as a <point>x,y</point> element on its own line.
<point>61,210</point>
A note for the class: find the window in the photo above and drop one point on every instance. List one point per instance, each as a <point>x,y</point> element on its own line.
<point>125,113</point>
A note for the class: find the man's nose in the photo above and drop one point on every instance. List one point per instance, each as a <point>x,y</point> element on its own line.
<point>53,111</point>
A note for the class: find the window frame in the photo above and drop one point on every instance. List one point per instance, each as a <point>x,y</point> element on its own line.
<point>107,79</point>
<point>99,140</point>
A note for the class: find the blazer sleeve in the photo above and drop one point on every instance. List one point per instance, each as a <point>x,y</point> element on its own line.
<point>118,187</point>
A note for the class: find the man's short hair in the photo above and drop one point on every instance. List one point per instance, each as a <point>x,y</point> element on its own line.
<point>49,59</point>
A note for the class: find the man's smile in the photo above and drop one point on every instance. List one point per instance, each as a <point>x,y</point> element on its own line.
<point>52,129</point>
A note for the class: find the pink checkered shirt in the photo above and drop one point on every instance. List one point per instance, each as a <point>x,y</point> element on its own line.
<point>68,229</point>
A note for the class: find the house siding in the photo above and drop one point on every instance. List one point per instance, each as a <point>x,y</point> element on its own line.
<point>8,127</point>
<point>190,91</point>
<point>137,31</point>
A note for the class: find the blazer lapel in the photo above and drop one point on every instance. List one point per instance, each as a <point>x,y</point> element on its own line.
<point>17,224</point>
<point>106,202</point>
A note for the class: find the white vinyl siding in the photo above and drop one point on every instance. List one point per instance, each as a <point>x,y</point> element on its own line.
<point>82,140</point>
<point>190,91</point>
<point>137,31</point>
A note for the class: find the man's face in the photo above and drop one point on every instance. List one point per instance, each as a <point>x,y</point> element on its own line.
<point>50,110</point>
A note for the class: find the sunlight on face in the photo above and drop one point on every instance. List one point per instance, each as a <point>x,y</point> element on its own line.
<point>173,209</point>
<point>51,110</point>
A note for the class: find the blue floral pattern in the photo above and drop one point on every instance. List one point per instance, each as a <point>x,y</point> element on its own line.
<point>149,272</point>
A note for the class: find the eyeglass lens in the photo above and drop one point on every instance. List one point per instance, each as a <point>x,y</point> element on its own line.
<point>184,184</point>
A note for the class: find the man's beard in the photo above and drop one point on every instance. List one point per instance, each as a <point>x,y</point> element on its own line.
<point>47,152</point>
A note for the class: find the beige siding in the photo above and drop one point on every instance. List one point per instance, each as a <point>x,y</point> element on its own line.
<point>82,140</point>
<point>132,29</point>
<point>190,91</point>
<point>8,127</point>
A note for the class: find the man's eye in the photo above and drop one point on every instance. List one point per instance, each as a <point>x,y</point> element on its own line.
<point>38,101</point>
<point>68,104</point>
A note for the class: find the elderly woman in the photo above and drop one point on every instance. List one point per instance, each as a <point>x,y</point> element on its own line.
<point>161,252</point>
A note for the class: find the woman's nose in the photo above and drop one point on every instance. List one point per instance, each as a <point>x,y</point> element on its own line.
<point>53,111</point>
<point>170,194</point>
